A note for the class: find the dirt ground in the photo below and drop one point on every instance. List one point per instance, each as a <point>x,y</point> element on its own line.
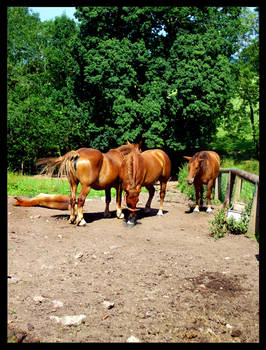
<point>163,280</point>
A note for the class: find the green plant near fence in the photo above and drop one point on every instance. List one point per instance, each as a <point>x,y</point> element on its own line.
<point>220,225</point>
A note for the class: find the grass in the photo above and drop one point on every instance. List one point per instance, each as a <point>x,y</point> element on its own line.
<point>28,186</point>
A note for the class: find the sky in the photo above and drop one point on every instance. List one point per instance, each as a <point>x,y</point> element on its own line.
<point>47,13</point>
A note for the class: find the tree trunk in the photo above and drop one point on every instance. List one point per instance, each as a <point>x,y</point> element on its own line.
<point>253,130</point>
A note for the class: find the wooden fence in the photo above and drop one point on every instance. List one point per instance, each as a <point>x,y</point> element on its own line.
<point>237,176</point>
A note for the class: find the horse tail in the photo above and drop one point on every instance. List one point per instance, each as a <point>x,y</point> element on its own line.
<point>63,164</point>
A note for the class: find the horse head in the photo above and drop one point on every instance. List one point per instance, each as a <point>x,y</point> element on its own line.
<point>131,174</point>
<point>194,168</point>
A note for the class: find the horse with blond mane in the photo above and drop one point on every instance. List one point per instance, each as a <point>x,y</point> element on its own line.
<point>92,169</point>
<point>144,169</point>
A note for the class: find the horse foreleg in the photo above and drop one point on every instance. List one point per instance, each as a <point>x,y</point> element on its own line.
<point>162,195</point>
<point>199,191</point>
<point>151,190</point>
<point>119,213</point>
<point>85,189</point>
<point>107,203</point>
<point>208,195</point>
<point>72,203</point>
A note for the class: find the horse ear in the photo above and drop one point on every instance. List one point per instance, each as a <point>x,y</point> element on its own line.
<point>188,158</point>
<point>128,143</point>
<point>139,145</point>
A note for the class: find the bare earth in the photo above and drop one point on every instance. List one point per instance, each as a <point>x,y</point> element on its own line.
<point>163,280</point>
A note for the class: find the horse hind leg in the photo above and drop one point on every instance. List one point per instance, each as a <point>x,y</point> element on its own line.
<point>107,203</point>
<point>119,213</point>
<point>72,203</point>
<point>151,190</point>
<point>85,189</point>
<point>162,196</point>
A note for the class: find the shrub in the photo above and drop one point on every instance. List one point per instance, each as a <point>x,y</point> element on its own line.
<point>220,225</point>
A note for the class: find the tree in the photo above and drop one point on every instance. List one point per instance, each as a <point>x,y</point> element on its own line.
<point>41,75</point>
<point>242,110</point>
<point>162,74</point>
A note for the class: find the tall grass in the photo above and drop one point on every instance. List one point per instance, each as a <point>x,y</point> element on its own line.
<point>23,185</point>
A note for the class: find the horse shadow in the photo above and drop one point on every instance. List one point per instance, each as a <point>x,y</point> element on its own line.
<point>88,217</point>
<point>91,217</point>
<point>141,214</point>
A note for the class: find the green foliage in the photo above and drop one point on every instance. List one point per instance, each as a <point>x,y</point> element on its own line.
<point>220,225</point>
<point>165,75</point>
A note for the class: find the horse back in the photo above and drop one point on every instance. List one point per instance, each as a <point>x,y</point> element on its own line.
<point>211,166</point>
<point>157,165</point>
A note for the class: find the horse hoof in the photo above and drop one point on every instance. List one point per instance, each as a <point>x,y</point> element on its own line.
<point>71,221</point>
<point>160,213</point>
<point>196,210</point>
<point>82,223</point>
<point>209,210</point>
<point>107,215</point>
<point>147,210</point>
<point>120,216</point>
<point>130,222</point>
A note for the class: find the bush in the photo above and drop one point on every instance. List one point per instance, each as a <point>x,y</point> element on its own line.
<point>221,224</point>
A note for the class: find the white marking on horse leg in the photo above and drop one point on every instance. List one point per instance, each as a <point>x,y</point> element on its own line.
<point>119,214</point>
<point>196,209</point>
<point>72,219</point>
<point>160,212</point>
<point>209,209</point>
<point>82,223</point>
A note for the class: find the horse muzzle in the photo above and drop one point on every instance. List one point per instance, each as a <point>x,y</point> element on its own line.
<point>190,181</point>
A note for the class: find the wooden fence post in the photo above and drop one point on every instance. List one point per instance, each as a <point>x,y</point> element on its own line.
<point>253,226</point>
<point>238,187</point>
<point>217,193</point>
<point>229,188</point>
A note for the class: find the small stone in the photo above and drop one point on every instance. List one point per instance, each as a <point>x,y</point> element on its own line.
<point>57,303</point>
<point>30,327</point>
<point>38,298</point>
<point>108,304</point>
<point>79,255</point>
<point>236,333</point>
<point>133,339</point>
<point>69,320</point>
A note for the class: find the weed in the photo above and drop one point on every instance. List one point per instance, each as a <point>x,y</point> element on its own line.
<point>220,225</point>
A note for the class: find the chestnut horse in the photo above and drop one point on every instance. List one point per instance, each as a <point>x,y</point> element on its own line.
<point>52,201</point>
<point>144,169</point>
<point>92,169</point>
<point>203,169</point>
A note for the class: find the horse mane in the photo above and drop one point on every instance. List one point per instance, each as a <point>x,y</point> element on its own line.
<point>201,155</point>
<point>131,162</point>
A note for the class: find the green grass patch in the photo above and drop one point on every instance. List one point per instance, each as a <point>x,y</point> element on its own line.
<point>30,186</point>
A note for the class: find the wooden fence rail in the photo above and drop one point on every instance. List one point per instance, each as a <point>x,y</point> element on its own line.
<point>237,176</point>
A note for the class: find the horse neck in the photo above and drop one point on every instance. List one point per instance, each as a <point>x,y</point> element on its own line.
<point>134,169</point>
